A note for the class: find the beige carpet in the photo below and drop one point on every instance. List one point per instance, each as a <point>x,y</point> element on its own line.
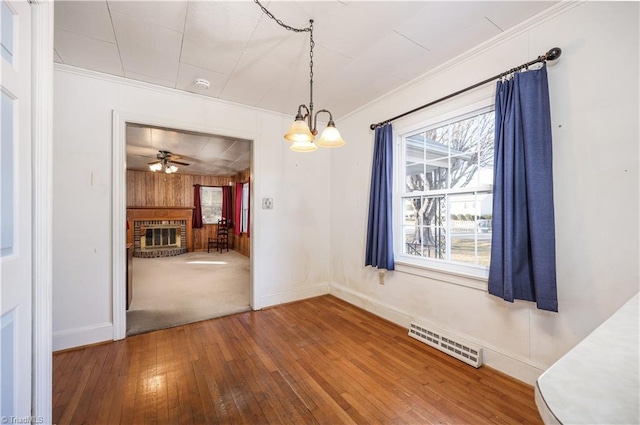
<point>196,286</point>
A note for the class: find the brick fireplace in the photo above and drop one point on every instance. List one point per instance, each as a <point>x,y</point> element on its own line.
<point>159,231</point>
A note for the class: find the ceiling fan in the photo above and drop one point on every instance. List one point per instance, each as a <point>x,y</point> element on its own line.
<point>166,162</point>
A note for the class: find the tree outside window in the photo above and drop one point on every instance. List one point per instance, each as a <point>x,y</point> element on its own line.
<point>446,199</point>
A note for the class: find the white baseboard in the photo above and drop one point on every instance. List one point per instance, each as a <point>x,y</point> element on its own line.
<point>511,365</point>
<point>78,337</point>
<point>293,295</point>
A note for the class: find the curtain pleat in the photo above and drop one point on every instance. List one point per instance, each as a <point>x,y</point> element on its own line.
<point>379,249</point>
<point>227,205</point>
<point>523,263</point>
<point>196,219</point>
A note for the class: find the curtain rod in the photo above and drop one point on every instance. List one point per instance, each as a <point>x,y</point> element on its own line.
<point>551,55</point>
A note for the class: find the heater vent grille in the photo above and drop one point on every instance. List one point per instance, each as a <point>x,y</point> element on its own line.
<point>454,346</point>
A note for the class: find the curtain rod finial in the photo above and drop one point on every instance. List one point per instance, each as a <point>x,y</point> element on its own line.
<point>373,126</point>
<point>554,53</point>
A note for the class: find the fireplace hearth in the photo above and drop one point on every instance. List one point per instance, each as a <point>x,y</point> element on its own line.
<point>159,231</point>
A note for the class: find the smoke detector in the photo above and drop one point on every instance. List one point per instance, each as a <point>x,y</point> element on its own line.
<point>202,83</point>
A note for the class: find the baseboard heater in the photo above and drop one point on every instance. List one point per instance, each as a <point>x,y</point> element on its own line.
<point>452,345</point>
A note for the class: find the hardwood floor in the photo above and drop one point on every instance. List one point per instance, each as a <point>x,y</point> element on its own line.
<point>317,361</point>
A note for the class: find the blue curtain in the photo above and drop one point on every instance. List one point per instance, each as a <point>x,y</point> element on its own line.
<point>523,258</point>
<point>379,229</point>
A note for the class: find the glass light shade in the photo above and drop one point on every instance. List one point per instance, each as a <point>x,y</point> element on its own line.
<point>299,132</point>
<point>301,146</point>
<point>171,169</point>
<point>155,167</point>
<point>330,138</point>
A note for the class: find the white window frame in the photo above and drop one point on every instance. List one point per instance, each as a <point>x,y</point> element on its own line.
<point>207,194</point>
<point>244,214</point>
<point>456,273</point>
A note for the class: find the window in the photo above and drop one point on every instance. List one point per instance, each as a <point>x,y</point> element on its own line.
<point>211,204</point>
<point>244,225</point>
<point>446,194</point>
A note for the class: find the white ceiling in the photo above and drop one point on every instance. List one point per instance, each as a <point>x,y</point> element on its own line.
<point>206,154</point>
<point>363,49</point>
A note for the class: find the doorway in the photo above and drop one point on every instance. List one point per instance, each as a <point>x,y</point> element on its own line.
<point>138,141</point>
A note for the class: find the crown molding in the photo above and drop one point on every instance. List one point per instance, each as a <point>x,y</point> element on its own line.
<point>83,72</point>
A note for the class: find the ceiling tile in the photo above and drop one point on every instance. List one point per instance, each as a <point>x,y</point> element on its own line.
<point>401,54</point>
<point>210,54</point>
<point>187,75</point>
<point>88,18</point>
<point>168,14</point>
<point>215,36</point>
<point>510,14</point>
<point>464,40</point>
<point>434,22</point>
<point>344,32</point>
<point>252,80</point>
<point>138,135</point>
<point>85,52</point>
<point>146,48</point>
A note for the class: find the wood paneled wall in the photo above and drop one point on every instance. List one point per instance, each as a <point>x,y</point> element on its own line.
<point>148,189</point>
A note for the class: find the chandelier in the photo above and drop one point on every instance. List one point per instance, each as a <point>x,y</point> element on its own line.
<point>303,131</point>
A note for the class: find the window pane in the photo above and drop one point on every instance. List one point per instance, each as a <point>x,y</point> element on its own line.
<point>6,34</point>
<point>211,204</point>
<point>427,236</point>
<point>245,208</point>
<point>471,228</point>
<point>6,175</point>
<point>414,163</point>
<point>472,149</point>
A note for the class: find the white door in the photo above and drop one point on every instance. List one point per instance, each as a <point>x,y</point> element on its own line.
<point>15,213</point>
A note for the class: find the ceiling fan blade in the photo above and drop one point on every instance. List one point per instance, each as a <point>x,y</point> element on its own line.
<point>177,162</point>
<point>154,162</point>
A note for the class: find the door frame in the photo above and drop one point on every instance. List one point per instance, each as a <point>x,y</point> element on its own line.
<point>42,241</point>
<point>119,204</point>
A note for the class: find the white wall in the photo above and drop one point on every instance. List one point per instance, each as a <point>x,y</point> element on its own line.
<point>594,107</point>
<point>290,252</point>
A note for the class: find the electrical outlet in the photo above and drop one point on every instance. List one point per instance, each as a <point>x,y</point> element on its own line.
<point>381,275</point>
<point>267,203</point>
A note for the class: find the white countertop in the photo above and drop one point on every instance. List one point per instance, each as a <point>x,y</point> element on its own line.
<point>598,381</point>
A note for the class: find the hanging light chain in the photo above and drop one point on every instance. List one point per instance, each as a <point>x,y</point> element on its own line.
<point>312,45</point>
<point>282,24</point>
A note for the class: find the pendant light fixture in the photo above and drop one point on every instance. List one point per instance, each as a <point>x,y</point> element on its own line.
<point>303,131</point>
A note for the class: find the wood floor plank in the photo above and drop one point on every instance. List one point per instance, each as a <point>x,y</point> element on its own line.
<point>316,361</point>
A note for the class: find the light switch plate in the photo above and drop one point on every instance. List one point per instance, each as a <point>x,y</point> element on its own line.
<point>267,203</point>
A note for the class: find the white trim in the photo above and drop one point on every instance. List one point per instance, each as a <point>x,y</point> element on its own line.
<point>42,137</point>
<point>119,206</point>
<point>462,279</point>
<point>78,337</point>
<point>161,89</point>
<point>118,221</point>
<point>294,295</point>
<point>513,365</point>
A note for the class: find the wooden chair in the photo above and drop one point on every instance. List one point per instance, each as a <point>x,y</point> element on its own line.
<point>221,240</point>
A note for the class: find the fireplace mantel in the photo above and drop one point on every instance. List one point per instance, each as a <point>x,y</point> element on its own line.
<point>161,213</point>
